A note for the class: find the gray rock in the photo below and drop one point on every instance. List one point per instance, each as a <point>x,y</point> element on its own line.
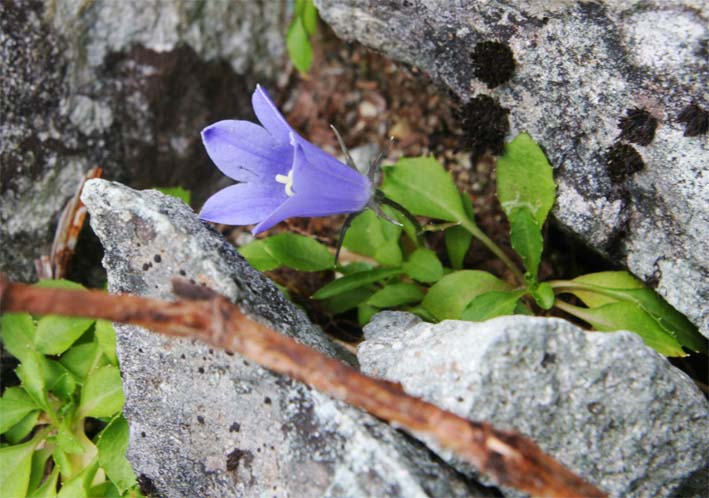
<point>580,67</point>
<point>603,404</point>
<point>125,85</point>
<point>204,423</point>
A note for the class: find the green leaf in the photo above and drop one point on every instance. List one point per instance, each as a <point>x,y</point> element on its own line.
<point>372,236</point>
<point>56,334</point>
<point>424,187</point>
<point>112,444</point>
<point>457,243</point>
<point>108,490</point>
<point>394,295</point>
<point>525,179</point>
<point>15,405</point>
<point>492,304</point>
<point>39,465</point>
<point>544,295</point>
<point>449,296</point>
<point>59,283</point>
<point>106,337</point>
<point>23,428</point>
<point>16,468</point>
<point>355,280</point>
<point>622,286</point>
<point>62,462</point>
<point>298,44</point>
<point>423,265</point>
<point>83,358</point>
<point>102,394</point>
<point>78,486</point>
<point>68,442</point>
<point>310,17</point>
<point>178,192</point>
<point>355,267</point>
<point>18,333</point>
<point>347,300</point>
<point>258,254</point>
<point>32,374</point>
<point>59,380</point>
<point>48,489</point>
<point>527,241</point>
<point>365,312</point>
<point>629,316</point>
<point>300,252</point>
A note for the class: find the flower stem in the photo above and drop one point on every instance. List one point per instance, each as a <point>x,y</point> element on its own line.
<point>494,248</point>
<point>571,309</point>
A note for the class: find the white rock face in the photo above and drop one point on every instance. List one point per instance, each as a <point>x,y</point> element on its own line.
<point>580,67</point>
<point>604,404</point>
<point>207,424</point>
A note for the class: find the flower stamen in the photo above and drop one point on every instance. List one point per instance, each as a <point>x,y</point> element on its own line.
<point>287,180</point>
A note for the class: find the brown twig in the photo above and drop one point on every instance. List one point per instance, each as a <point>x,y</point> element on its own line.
<point>508,457</point>
<point>66,236</point>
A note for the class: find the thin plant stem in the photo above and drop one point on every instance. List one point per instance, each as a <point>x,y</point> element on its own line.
<point>494,248</point>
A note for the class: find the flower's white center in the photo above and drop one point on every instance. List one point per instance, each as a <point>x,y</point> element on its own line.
<point>287,180</point>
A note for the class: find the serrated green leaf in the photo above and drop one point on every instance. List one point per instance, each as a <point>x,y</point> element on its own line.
<point>298,44</point>
<point>18,331</point>
<point>544,295</point>
<point>112,443</point>
<point>372,236</point>
<point>32,374</point>
<point>55,334</point>
<point>78,486</point>
<point>347,300</point>
<point>628,316</point>
<point>424,187</point>
<point>527,241</point>
<point>16,468</point>
<point>59,380</point>
<point>258,254</point>
<point>299,252</point>
<point>608,287</point>
<point>102,394</point>
<point>39,465</point>
<point>492,304</point>
<point>365,312</point>
<point>15,405</point>
<point>457,244</point>
<point>106,337</point>
<point>394,295</point>
<point>83,358</point>
<point>355,280</point>
<point>48,489</point>
<point>424,266</point>
<point>23,428</point>
<point>310,17</point>
<point>449,296</point>
<point>180,193</point>
<point>525,179</point>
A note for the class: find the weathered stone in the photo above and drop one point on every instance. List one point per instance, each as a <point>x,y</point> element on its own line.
<point>581,67</point>
<point>123,85</point>
<point>604,404</point>
<point>204,423</point>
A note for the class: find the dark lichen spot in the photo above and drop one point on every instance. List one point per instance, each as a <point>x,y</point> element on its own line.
<point>548,359</point>
<point>595,408</point>
<point>696,120</point>
<point>493,63</point>
<point>183,273</point>
<point>637,126</point>
<point>267,400</point>
<point>146,266</point>
<point>142,434</point>
<point>146,485</point>
<point>200,370</point>
<point>235,427</point>
<point>200,419</point>
<point>485,124</point>
<point>157,258</point>
<point>182,356</point>
<point>623,160</point>
<point>235,457</point>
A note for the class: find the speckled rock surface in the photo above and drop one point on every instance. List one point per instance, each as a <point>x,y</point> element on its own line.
<point>604,404</point>
<point>580,68</point>
<point>125,85</point>
<point>204,423</point>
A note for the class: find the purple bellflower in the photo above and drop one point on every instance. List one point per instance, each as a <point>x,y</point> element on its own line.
<point>281,174</point>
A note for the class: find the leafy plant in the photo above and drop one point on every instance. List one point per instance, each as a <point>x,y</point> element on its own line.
<point>302,27</point>
<point>405,274</point>
<point>70,383</point>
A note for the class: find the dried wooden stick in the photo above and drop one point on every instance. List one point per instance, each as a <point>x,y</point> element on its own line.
<point>508,457</point>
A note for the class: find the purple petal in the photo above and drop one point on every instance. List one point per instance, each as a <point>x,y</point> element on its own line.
<point>245,151</point>
<point>269,116</point>
<point>244,203</point>
<point>318,192</point>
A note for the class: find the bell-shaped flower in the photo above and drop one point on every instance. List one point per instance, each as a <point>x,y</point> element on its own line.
<point>281,175</point>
